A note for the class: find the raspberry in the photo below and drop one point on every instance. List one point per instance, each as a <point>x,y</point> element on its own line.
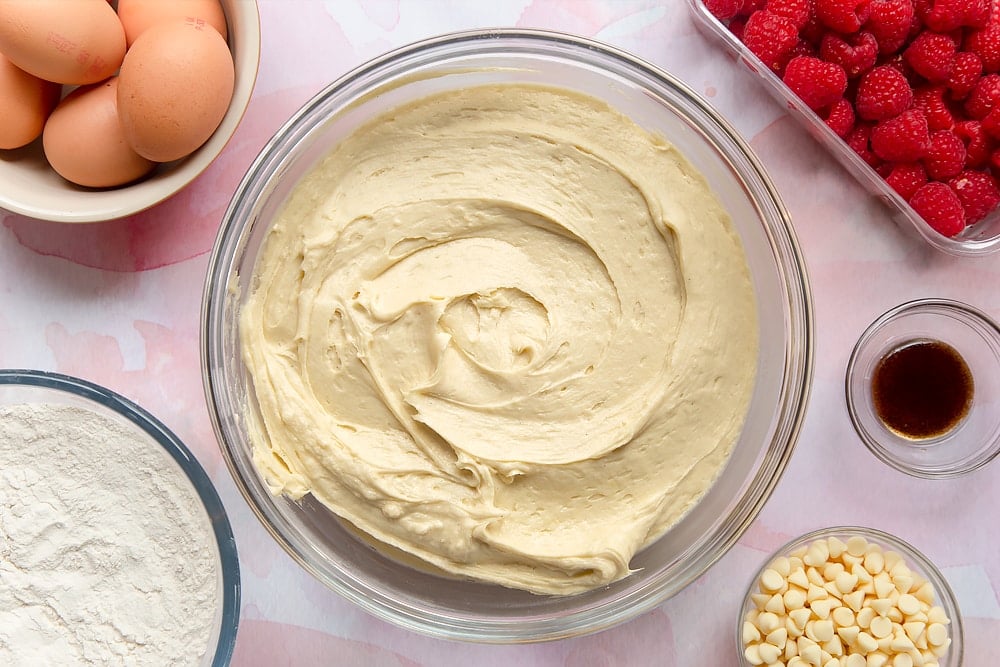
<point>845,16</point>
<point>751,6</point>
<point>736,26</point>
<point>945,15</point>
<point>906,178</point>
<point>978,146</point>
<point>859,139</point>
<point>940,207</point>
<point>723,9</point>
<point>991,124</point>
<point>883,93</point>
<point>930,100</point>
<point>840,117</point>
<point>855,53</point>
<point>796,11</point>
<point>985,43</point>
<point>813,30</point>
<point>932,56</point>
<point>818,83</point>
<point>983,97</point>
<point>770,38</point>
<point>801,48</point>
<point>964,75</point>
<point>994,160</point>
<point>904,138</point>
<point>889,21</point>
<point>946,156</point>
<point>978,193</point>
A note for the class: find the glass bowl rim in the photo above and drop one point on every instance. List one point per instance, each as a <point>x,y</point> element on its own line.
<point>195,473</point>
<point>945,595</point>
<point>783,243</point>
<point>929,306</point>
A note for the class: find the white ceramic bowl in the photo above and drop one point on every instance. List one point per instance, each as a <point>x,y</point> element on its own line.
<point>30,187</point>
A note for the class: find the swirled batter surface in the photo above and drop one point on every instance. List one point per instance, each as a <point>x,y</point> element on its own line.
<point>505,330</point>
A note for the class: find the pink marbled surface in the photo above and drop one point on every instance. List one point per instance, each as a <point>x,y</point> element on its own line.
<point>118,303</point>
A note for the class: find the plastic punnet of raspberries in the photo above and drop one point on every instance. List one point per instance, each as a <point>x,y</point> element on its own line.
<point>912,86</point>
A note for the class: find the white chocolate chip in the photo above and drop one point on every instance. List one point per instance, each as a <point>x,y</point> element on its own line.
<point>874,562</point>
<point>835,547</point>
<point>855,660</point>
<point>752,654</point>
<point>750,633</point>
<point>842,616</point>
<point>876,660</point>
<point>846,582</point>
<point>883,585</point>
<point>822,608</point>
<point>823,629</point>
<point>800,617</point>
<point>866,642</point>
<point>937,634</point>
<point>794,599</point>
<point>855,600</point>
<point>908,604</point>
<point>849,634</point>
<point>811,654</point>
<point>768,622</point>
<point>865,616</point>
<point>776,605</point>
<point>782,566</point>
<point>880,627</point>
<point>902,660</point>
<point>937,615</point>
<point>798,578</point>
<point>769,652</point>
<point>857,546</point>
<point>777,637</point>
<point>771,581</point>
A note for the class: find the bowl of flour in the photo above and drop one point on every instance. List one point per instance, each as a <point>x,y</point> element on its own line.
<point>114,545</point>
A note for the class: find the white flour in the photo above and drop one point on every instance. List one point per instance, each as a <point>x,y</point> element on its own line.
<point>106,555</point>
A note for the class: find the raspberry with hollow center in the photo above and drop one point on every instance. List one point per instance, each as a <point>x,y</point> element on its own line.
<point>855,53</point>
<point>818,83</point>
<point>883,93</point>
<point>940,207</point>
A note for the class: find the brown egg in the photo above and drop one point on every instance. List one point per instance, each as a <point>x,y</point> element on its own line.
<point>84,142</point>
<point>139,15</point>
<point>65,41</point>
<point>25,103</point>
<point>175,86</point>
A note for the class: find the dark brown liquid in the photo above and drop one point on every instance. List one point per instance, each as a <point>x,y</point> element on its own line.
<point>922,389</point>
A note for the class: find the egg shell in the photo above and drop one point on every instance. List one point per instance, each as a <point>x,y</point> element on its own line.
<point>64,41</point>
<point>175,87</point>
<point>84,142</point>
<point>137,16</point>
<point>25,103</point>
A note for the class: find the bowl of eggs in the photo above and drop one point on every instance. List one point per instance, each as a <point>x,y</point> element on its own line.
<point>111,107</point>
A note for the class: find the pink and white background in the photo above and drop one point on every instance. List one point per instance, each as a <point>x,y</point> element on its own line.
<point>118,303</point>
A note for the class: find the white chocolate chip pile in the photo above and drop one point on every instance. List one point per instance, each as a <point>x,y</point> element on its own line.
<point>837,604</point>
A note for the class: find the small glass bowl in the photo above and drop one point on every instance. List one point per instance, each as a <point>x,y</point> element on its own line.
<point>972,442</point>
<point>916,561</point>
<point>19,386</point>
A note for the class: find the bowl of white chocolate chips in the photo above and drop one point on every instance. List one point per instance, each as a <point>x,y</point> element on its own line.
<point>849,597</point>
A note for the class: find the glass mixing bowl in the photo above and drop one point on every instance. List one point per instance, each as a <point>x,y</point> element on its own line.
<point>25,386</point>
<point>459,609</point>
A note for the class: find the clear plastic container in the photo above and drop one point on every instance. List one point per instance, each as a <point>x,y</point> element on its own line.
<point>979,239</point>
